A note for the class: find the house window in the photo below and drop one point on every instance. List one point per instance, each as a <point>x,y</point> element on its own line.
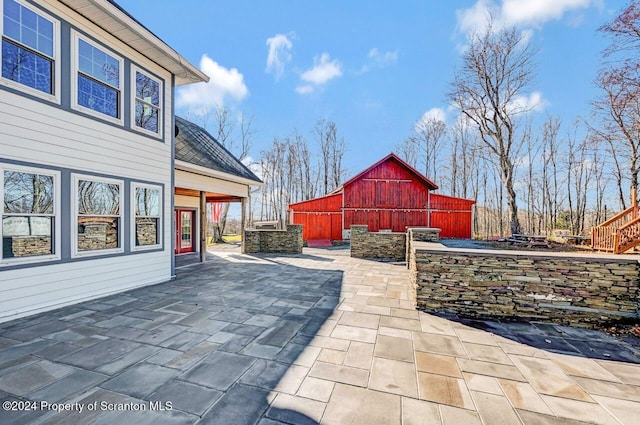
<point>98,80</point>
<point>146,201</point>
<point>146,102</point>
<point>98,215</point>
<point>30,214</point>
<point>29,48</point>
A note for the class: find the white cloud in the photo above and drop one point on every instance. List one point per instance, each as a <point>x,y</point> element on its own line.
<point>522,13</point>
<point>279,54</point>
<point>433,114</point>
<point>533,102</point>
<point>323,70</point>
<point>383,58</point>
<point>224,84</point>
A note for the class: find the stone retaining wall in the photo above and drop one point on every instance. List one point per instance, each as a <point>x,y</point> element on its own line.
<point>273,241</point>
<point>380,245</point>
<point>568,289</point>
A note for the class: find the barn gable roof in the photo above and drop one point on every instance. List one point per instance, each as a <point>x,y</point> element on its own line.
<point>391,157</point>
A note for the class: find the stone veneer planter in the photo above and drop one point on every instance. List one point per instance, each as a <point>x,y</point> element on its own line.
<point>569,289</point>
<point>380,245</point>
<point>287,241</point>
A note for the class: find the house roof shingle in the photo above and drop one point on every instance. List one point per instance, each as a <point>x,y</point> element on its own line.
<point>196,146</point>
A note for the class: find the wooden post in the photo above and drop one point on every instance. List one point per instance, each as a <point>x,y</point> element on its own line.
<point>243,223</point>
<point>634,203</point>
<point>203,226</point>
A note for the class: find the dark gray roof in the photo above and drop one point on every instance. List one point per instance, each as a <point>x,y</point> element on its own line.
<point>196,146</point>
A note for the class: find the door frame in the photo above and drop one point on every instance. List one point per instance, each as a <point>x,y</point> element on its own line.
<point>178,230</point>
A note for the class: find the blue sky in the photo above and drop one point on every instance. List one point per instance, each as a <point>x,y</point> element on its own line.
<point>373,67</point>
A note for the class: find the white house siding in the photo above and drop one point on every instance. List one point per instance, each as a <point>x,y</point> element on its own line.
<point>40,133</point>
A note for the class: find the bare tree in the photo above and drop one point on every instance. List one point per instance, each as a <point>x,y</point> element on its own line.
<point>619,105</point>
<point>332,149</point>
<point>497,69</point>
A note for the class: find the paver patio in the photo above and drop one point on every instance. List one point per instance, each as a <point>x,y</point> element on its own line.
<point>315,338</point>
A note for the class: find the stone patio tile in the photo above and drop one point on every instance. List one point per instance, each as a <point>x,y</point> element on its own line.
<point>354,333</point>
<point>382,302</point>
<point>209,326</point>
<point>407,314</point>
<point>184,340</point>
<point>97,395</point>
<point>456,416</point>
<point>101,353</point>
<point>220,337</point>
<point>74,383</point>
<point>219,370</point>
<point>400,323</point>
<point>55,351</point>
<point>435,325</point>
<point>394,348</point>
<point>27,379</point>
<point>194,318</point>
<point>188,397</point>
<point>623,410</point>
<point>495,409</point>
<point>360,406</point>
<point>303,355</point>
<point>444,390</point>
<point>327,327</point>
<point>240,405</point>
<point>523,396</point>
<point>373,309</point>
<point>533,418</point>
<point>235,344</point>
<point>343,374</point>
<point>264,374</point>
<point>416,412</point>
<point>627,373</point>
<point>491,369</point>
<point>363,320</point>
<point>475,336</point>
<point>280,333</point>
<point>486,353</point>
<point>439,344</point>
<point>20,352</point>
<point>328,355</point>
<point>329,342</point>
<point>140,380</point>
<point>438,364</point>
<point>524,350</point>
<point>38,330</point>
<point>131,358</point>
<point>296,410</point>
<point>292,379</point>
<point>550,343</point>
<point>18,417</point>
<point>316,389</point>
<point>399,333</point>
<point>163,356</point>
<point>360,355</point>
<point>254,349</point>
<point>583,367</point>
<point>580,410</point>
<point>610,389</point>
<point>547,378</point>
<point>168,417</point>
<point>481,383</point>
<point>264,320</point>
<point>393,376</point>
<point>243,329</point>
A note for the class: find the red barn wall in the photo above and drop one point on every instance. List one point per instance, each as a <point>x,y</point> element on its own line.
<point>387,196</point>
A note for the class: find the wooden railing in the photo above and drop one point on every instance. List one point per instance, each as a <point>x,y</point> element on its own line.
<point>618,234</point>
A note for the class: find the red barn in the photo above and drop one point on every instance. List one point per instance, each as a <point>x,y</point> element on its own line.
<point>389,195</point>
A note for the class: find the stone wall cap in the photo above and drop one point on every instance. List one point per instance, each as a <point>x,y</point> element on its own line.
<point>433,246</point>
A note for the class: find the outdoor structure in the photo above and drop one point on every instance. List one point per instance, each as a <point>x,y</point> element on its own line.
<point>621,232</point>
<point>389,196</point>
<point>205,172</point>
<point>87,154</point>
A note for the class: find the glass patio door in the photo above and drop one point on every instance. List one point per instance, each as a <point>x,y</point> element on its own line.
<point>185,231</point>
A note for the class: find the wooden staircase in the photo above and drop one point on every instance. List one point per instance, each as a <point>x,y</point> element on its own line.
<point>618,234</point>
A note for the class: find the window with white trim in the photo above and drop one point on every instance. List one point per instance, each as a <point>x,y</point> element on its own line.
<point>30,214</point>
<point>147,210</point>
<point>146,105</point>
<point>98,213</point>
<point>29,50</point>
<point>98,80</point>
